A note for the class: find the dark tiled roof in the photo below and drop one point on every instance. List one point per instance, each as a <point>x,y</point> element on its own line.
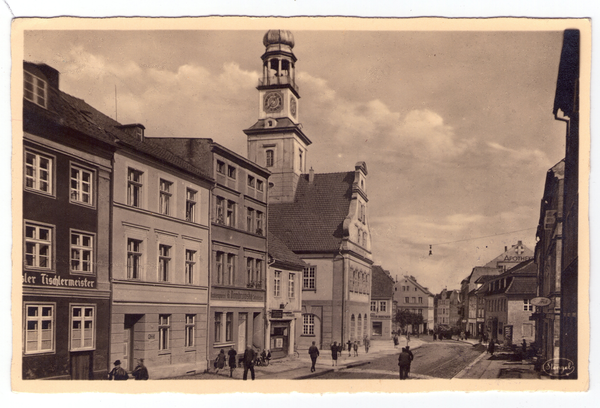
<point>484,278</point>
<point>282,254</point>
<point>382,285</point>
<point>313,222</point>
<point>522,285</point>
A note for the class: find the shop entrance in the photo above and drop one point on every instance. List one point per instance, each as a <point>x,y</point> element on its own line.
<point>81,366</point>
<point>280,339</point>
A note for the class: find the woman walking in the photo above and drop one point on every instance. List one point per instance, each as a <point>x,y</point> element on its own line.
<point>334,353</point>
<point>232,353</point>
<point>220,361</point>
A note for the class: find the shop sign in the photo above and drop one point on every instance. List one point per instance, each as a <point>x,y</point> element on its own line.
<point>44,279</point>
<point>541,301</point>
<point>237,294</point>
<point>277,313</point>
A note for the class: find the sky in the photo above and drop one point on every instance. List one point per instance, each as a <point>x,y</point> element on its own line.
<point>456,128</point>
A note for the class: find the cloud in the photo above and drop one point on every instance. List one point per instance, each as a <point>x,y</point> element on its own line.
<point>534,156</point>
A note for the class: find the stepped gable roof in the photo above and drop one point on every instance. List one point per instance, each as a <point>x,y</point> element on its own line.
<point>382,285</point>
<point>314,221</point>
<point>282,255</point>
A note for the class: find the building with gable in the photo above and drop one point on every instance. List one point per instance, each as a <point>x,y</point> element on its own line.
<point>322,218</point>
<point>382,306</point>
<point>412,296</point>
<point>448,307</point>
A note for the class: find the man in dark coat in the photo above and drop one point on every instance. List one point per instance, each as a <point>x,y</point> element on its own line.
<point>349,348</point>
<point>140,372</point>
<point>334,353</point>
<point>249,360</point>
<point>232,353</point>
<point>412,357</point>
<point>491,347</point>
<point>314,353</point>
<point>404,363</point>
<point>118,372</point>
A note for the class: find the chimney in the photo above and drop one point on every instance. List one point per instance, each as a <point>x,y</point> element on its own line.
<point>519,243</point>
<point>311,176</point>
<point>505,248</point>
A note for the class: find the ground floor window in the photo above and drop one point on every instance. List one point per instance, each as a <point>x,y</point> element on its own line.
<point>164,327</point>
<point>377,329</point>
<point>308,327</point>
<point>190,330</point>
<point>39,328</point>
<point>82,327</point>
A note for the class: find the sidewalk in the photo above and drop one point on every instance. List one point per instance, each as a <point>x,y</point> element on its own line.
<point>498,366</point>
<point>289,368</point>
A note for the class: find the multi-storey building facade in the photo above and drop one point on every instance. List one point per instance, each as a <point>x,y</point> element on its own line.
<point>448,304</point>
<point>382,307</point>
<point>320,217</point>
<point>412,296</point>
<point>238,240</point>
<point>66,208</point>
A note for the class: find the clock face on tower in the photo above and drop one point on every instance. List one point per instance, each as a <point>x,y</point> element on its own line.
<point>293,106</point>
<point>273,102</point>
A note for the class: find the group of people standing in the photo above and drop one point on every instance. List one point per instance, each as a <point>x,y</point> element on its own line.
<point>248,360</point>
<point>404,359</point>
<point>140,372</point>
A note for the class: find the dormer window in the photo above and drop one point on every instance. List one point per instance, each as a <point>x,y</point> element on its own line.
<point>34,89</point>
<point>139,133</point>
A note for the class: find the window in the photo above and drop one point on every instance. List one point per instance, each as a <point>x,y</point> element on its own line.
<point>229,327</point>
<point>230,220</point>
<point>81,185</point>
<point>230,269</point>
<point>165,197</point>
<point>190,330</point>
<point>249,271</point>
<point>220,210</point>
<point>134,259</point>
<point>308,326</point>
<point>218,318</point>
<point>134,187</point>
<point>34,89</point>
<point>259,223</point>
<point>190,263</point>
<point>39,328</point>
<point>251,182</point>
<point>220,167</point>
<point>231,172</point>
<point>527,306</point>
<point>270,158</point>
<point>250,220</point>
<point>82,247</point>
<point>382,306</point>
<point>82,328</point>
<point>259,185</point>
<point>277,284</point>
<point>308,281</point>
<point>415,289</point>
<point>38,246</point>
<point>420,300</point>
<point>300,161</point>
<point>292,285</point>
<point>406,300</point>
<point>373,306</point>
<point>420,311</point>
<point>258,271</point>
<point>190,205</point>
<point>38,172</point>
<point>164,260</point>
<point>164,326</point>
<point>220,271</point>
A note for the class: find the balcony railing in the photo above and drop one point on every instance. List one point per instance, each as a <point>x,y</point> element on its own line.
<point>278,80</point>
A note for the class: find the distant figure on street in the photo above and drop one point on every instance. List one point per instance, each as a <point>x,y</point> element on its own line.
<point>404,363</point>
<point>395,339</point>
<point>524,347</point>
<point>140,372</point>
<point>367,344</point>
<point>220,361</point>
<point>231,353</point>
<point>355,349</point>
<point>118,372</point>
<point>434,336</point>
<point>407,337</point>
<point>334,353</point>
<point>340,349</point>
<point>412,357</point>
<point>349,348</point>
<point>249,360</point>
<point>491,347</point>
<point>314,353</point>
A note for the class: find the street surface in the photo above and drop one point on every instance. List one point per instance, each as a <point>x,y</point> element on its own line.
<point>440,359</point>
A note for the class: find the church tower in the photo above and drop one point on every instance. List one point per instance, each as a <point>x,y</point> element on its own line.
<point>276,141</point>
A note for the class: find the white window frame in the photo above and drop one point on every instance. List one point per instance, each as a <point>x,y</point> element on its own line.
<point>164,331</point>
<point>218,327</point>
<point>527,306</point>
<point>39,319</point>
<point>165,194</point>
<point>221,167</point>
<point>37,172</point>
<point>35,89</point>
<point>230,215</point>
<point>277,284</point>
<point>374,306</point>
<point>135,253</point>
<point>135,187</point>
<point>251,181</point>
<point>382,306</point>
<point>190,266</point>
<point>164,262</point>
<point>76,193</point>
<point>191,203</point>
<point>38,243</point>
<point>309,278</point>
<point>308,325</point>
<point>259,223</point>
<point>190,330</point>
<point>220,267</point>
<point>230,268</point>
<point>292,285</point>
<point>83,320</point>
<point>80,249</point>
<point>250,217</point>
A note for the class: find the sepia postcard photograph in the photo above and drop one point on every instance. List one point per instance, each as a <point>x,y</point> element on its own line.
<point>233,204</point>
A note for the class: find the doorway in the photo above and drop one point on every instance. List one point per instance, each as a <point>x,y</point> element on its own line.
<point>127,361</point>
<point>82,366</point>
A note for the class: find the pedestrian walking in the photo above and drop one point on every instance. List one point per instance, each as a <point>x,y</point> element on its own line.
<point>314,353</point>
<point>395,340</point>
<point>249,360</point>
<point>140,372</point>
<point>355,345</point>
<point>340,349</point>
<point>412,357</point>
<point>367,344</point>
<point>407,337</point>
<point>118,372</point>
<point>434,336</point>
<point>220,361</point>
<point>491,347</point>
<point>403,363</point>
<point>349,348</point>
<point>231,353</point>
<point>524,347</point>
<point>334,353</point>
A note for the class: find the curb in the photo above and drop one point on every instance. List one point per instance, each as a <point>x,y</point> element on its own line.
<point>467,368</point>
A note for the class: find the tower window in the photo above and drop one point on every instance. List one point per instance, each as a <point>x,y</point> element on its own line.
<point>270,157</point>
<point>301,162</point>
